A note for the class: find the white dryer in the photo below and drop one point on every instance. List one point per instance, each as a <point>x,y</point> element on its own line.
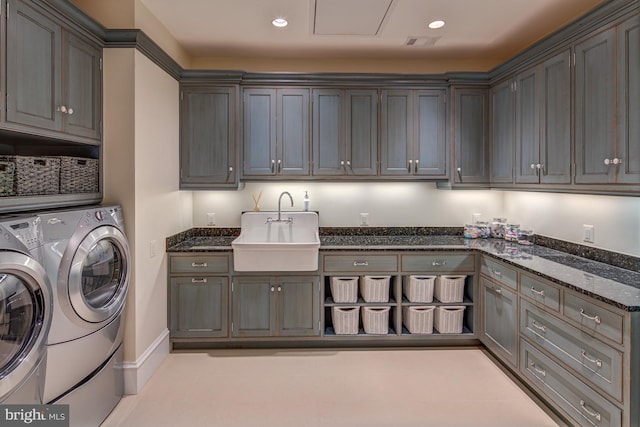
<point>87,259</point>
<point>25,312</point>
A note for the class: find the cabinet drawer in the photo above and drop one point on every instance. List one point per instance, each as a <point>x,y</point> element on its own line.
<point>595,361</point>
<point>577,399</point>
<point>499,273</point>
<point>445,263</point>
<point>540,292</point>
<point>596,319</point>
<point>361,263</point>
<point>199,264</point>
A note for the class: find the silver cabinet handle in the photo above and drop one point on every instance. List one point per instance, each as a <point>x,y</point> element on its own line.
<point>496,272</point>
<point>279,165</point>
<point>279,288</point>
<point>230,169</point>
<point>591,412</point>
<point>349,163</point>
<point>607,162</point>
<point>198,264</point>
<point>360,263</point>
<point>459,170</point>
<point>439,263</point>
<point>410,164</point>
<point>538,370</point>
<point>273,289</point>
<point>69,111</point>
<point>616,161</point>
<point>416,168</point>
<point>595,318</point>
<point>596,362</point>
<point>273,165</point>
<point>200,280</point>
<point>538,326</point>
<point>533,166</point>
<point>62,109</point>
<point>497,290</point>
<point>537,292</point>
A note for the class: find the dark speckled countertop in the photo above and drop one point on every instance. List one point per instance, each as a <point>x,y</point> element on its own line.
<point>609,283</point>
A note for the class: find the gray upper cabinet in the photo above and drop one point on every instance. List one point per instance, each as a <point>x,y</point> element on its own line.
<point>276,132</point>
<point>595,109</point>
<point>470,157</point>
<point>345,132</point>
<point>54,78</point>
<point>413,133</point>
<point>502,132</point>
<point>208,137</point>
<point>628,149</point>
<point>527,130</point>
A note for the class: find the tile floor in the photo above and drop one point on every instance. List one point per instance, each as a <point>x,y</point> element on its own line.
<point>336,388</point>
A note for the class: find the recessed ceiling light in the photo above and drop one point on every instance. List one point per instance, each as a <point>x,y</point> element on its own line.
<point>280,22</point>
<point>436,24</point>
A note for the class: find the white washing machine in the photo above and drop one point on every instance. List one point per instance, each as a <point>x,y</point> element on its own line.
<point>86,257</point>
<point>25,311</point>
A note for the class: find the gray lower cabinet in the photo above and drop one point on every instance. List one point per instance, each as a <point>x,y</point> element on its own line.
<point>54,77</point>
<point>345,132</point>
<point>275,306</point>
<point>276,132</point>
<point>413,133</point>
<point>208,136</point>
<point>499,314</point>
<point>199,307</point>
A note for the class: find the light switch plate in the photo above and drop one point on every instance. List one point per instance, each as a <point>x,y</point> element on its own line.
<point>364,219</point>
<point>588,233</point>
<point>211,219</point>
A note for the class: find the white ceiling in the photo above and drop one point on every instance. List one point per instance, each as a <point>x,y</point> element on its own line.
<point>363,28</point>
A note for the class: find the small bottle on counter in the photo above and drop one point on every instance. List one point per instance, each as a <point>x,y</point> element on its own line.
<point>306,202</point>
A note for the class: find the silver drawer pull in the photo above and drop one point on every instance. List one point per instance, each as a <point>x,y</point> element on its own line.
<point>360,263</point>
<point>538,326</point>
<point>538,370</point>
<point>595,318</point>
<point>198,264</point>
<point>596,362</point>
<point>497,290</point>
<point>439,263</point>
<point>496,272</point>
<point>202,280</point>
<point>592,412</point>
<point>537,292</point>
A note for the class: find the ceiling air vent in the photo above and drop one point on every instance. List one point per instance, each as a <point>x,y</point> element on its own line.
<point>421,41</point>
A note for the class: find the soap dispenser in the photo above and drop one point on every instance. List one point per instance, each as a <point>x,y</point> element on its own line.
<point>306,202</point>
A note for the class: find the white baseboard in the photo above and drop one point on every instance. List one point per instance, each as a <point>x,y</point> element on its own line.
<point>136,374</point>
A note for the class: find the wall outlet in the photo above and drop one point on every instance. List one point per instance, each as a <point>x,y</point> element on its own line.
<point>364,219</point>
<point>475,217</point>
<point>153,248</point>
<point>211,219</point>
<point>588,233</point>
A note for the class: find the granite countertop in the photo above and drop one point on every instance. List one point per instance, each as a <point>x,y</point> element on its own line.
<point>614,285</point>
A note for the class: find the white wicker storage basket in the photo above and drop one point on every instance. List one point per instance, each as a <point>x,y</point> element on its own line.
<point>375,320</point>
<point>346,320</point>
<point>6,178</point>
<point>35,175</point>
<point>419,288</point>
<point>418,320</point>
<point>344,289</point>
<point>78,175</point>
<point>375,288</point>
<point>450,288</point>
<point>448,319</point>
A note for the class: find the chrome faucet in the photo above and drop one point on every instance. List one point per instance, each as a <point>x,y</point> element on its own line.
<point>280,209</point>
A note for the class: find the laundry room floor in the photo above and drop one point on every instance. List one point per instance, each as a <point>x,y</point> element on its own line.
<point>336,388</point>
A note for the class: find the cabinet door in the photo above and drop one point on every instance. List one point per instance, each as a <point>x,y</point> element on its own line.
<point>527,127</point>
<point>260,157</point>
<point>199,306</point>
<point>82,87</point>
<point>253,307</point>
<point>396,127</point>
<point>33,68</point>
<point>298,306</point>
<point>555,119</point>
<point>329,157</point>
<point>207,137</point>
<point>595,108</point>
<point>471,142</point>
<point>629,101</point>
<point>361,136</point>
<point>430,135</point>
<point>502,132</point>
<point>500,321</point>
<point>292,132</point>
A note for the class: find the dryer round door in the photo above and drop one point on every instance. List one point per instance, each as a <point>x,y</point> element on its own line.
<point>99,275</point>
<point>25,318</point>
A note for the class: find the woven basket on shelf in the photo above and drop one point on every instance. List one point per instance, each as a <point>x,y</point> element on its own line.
<point>78,175</point>
<point>375,288</point>
<point>344,289</point>
<point>450,288</point>
<point>419,288</point>
<point>346,320</point>
<point>448,319</point>
<point>35,175</point>
<point>418,319</point>
<point>375,320</point>
<point>7,170</point>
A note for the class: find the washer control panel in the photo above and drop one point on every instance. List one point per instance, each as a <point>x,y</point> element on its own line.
<point>25,230</point>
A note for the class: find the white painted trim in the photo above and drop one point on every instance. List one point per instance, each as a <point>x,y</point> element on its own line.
<point>136,374</point>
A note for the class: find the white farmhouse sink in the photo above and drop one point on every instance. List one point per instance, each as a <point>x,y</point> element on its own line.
<point>266,244</point>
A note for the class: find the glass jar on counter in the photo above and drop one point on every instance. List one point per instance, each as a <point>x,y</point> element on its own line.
<point>484,229</point>
<point>511,232</point>
<point>526,237</point>
<point>479,230</point>
<point>497,227</point>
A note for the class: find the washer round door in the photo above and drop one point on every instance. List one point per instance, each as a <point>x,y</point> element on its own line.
<point>99,275</point>
<point>25,318</point>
